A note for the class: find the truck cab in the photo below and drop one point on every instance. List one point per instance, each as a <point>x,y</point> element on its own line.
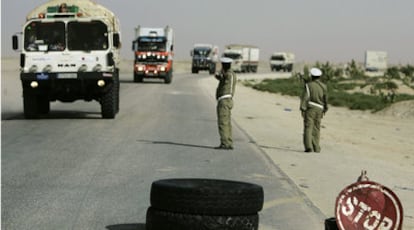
<point>69,56</point>
<point>204,57</point>
<point>282,61</point>
<point>153,54</point>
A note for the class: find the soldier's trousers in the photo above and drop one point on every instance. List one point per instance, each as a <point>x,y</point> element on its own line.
<point>224,107</point>
<point>312,127</point>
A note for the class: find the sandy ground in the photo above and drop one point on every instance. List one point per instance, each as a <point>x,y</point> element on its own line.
<point>351,141</point>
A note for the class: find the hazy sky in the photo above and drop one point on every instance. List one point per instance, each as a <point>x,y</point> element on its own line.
<point>315,30</point>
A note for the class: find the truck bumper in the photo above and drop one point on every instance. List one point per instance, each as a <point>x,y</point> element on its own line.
<point>68,87</point>
<point>151,74</point>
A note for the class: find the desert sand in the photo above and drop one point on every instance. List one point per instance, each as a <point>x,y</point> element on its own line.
<point>351,141</point>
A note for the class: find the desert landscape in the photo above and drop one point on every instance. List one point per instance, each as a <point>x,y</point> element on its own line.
<point>351,140</point>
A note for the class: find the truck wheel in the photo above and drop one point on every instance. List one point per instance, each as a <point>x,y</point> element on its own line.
<point>43,104</point>
<point>108,103</point>
<point>118,86</point>
<point>206,196</point>
<point>212,69</point>
<point>158,219</point>
<point>168,78</point>
<point>30,105</point>
<point>194,70</point>
<point>138,78</point>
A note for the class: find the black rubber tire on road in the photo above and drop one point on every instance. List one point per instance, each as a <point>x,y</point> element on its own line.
<point>162,220</point>
<point>30,105</point>
<point>109,103</point>
<point>168,78</point>
<point>206,196</point>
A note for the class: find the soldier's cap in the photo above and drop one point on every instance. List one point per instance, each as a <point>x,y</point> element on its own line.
<point>316,72</point>
<point>226,60</point>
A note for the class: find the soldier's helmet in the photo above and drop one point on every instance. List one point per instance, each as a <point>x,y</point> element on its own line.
<point>315,72</point>
<point>226,60</point>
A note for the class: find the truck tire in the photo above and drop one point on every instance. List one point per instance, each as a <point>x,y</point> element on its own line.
<point>138,78</point>
<point>194,70</point>
<point>162,220</point>
<point>108,103</point>
<point>30,105</point>
<point>206,196</point>
<point>118,86</point>
<point>43,104</point>
<point>168,78</point>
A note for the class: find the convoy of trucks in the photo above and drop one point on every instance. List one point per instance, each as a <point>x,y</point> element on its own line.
<point>204,57</point>
<point>282,61</point>
<point>375,61</point>
<point>245,57</point>
<point>69,52</point>
<point>153,49</point>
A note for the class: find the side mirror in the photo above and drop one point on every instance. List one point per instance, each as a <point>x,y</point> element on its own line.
<point>172,48</point>
<point>117,40</point>
<point>15,41</point>
<point>191,53</point>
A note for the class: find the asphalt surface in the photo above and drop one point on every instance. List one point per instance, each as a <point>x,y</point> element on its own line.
<point>73,170</point>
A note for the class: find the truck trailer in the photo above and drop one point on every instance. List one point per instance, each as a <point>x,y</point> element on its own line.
<point>70,51</point>
<point>204,57</point>
<point>153,52</point>
<point>245,57</point>
<point>375,61</point>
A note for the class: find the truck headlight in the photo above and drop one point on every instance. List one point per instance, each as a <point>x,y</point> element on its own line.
<point>47,69</point>
<point>162,68</point>
<point>83,68</point>
<point>33,69</point>
<point>97,68</point>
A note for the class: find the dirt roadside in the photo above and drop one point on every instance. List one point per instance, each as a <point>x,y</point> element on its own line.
<point>351,141</point>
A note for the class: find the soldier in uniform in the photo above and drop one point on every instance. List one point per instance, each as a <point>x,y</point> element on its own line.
<point>313,106</point>
<point>224,95</point>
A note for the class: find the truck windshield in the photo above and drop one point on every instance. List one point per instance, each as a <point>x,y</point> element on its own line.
<point>87,36</point>
<point>278,58</point>
<point>202,52</point>
<point>44,36</point>
<point>232,55</point>
<point>152,44</point>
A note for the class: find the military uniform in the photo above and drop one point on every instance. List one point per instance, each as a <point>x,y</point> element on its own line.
<point>313,106</point>
<point>224,96</point>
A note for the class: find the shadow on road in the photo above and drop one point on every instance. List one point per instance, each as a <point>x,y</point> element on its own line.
<point>174,143</point>
<point>126,227</point>
<point>55,114</point>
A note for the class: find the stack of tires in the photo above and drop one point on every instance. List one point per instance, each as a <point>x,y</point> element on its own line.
<point>204,204</point>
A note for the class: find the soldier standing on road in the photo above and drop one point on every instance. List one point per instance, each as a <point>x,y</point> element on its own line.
<point>224,95</point>
<point>313,106</point>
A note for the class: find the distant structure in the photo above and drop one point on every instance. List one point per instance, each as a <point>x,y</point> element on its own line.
<point>375,61</point>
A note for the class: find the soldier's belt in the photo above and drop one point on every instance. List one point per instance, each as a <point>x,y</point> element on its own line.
<point>316,104</point>
<point>224,96</point>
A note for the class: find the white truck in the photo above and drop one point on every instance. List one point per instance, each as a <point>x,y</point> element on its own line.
<point>204,57</point>
<point>282,61</point>
<point>70,51</point>
<point>153,52</point>
<point>375,61</point>
<point>245,57</point>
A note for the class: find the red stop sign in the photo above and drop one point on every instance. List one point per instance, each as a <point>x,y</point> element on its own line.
<point>367,205</point>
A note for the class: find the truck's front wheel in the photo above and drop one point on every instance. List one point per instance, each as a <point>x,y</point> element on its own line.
<point>108,103</point>
<point>30,105</point>
<point>168,78</point>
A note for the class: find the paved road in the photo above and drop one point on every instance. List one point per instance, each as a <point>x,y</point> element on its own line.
<point>73,170</point>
